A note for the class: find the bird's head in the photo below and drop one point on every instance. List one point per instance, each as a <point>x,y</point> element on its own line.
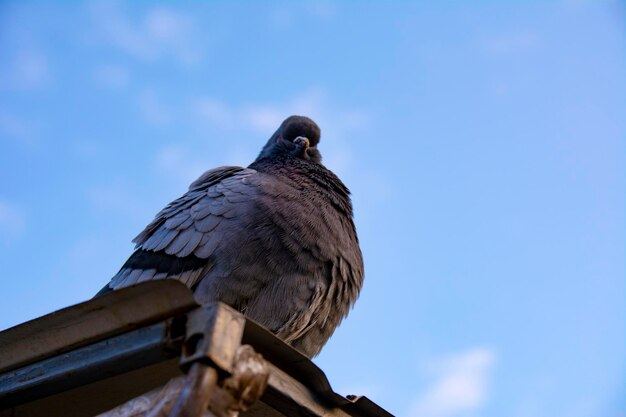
<point>297,136</point>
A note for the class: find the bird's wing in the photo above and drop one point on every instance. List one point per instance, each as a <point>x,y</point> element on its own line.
<point>182,237</point>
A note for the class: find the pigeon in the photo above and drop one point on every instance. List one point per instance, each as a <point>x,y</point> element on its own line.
<point>275,240</point>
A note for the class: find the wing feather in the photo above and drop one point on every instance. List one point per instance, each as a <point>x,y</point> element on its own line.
<point>206,224</point>
<point>182,237</point>
<point>177,220</point>
<point>192,243</point>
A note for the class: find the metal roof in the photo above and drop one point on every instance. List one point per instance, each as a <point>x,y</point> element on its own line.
<point>91,357</point>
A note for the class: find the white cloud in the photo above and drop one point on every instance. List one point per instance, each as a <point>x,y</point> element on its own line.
<point>460,386</point>
<point>341,160</point>
<point>119,199</point>
<point>287,15</point>
<point>28,70</point>
<point>16,128</point>
<point>213,111</point>
<point>241,155</point>
<point>577,4</point>
<point>281,16</point>
<point>322,10</point>
<point>180,165</point>
<point>85,149</point>
<point>183,164</point>
<point>89,263</point>
<point>12,220</point>
<point>165,25</point>
<point>153,109</point>
<point>114,77</point>
<point>263,118</point>
<point>159,33</point>
<point>249,122</point>
<point>256,116</point>
<point>339,125</point>
<point>510,43</point>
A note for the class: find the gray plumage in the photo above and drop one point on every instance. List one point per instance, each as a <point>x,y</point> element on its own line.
<point>275,240</point>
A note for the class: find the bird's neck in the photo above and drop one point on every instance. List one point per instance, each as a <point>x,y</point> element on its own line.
<point>303,173</point>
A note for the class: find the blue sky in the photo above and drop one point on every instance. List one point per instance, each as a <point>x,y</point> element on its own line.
<point>483,143</point>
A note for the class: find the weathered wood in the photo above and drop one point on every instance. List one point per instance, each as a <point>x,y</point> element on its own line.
<point>156,403</point>
<point>244,387</point>
<point>198,393</point>
<point>197,390</point>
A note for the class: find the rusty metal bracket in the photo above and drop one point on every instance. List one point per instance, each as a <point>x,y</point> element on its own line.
<point>213,334</point>
<point>244,387</point>
<point>212,347</point>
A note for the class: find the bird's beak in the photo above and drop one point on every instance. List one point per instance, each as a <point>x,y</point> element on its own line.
<point>301,140</point>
